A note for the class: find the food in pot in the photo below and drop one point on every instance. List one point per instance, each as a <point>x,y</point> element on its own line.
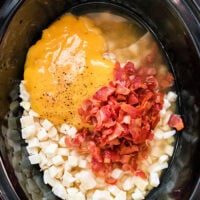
<point>98,111</point>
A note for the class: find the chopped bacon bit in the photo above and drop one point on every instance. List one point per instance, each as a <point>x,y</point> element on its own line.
<point>104,93</point>
<point>111,180</point>
<point>176,122</point>
<point>123,116</point>
<point>132,99</point>
<point>141,174</point>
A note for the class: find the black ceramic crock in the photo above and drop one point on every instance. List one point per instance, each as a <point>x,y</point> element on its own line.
<point>175,25</point>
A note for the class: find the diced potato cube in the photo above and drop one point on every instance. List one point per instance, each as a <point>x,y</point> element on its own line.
<point>128,184</point>
<point>32,150</point>
<point>72,161</point>
<point>120,196</point>
<point>140,183</point>
<point>82,163</point>
<point>62,141</point>
<point>53,171</point>
<point>52,132</point>
<point>169,150</point>
<point>23,93</point>
<point>171,96</point>
<point>57,160</point>
<point>34,142</point>
<point>63,151</point>
<point>60,191</point>
<point>51,149</point>
<point>34,159</point>
<point>137,195</point>
<point>156,167</point>
<point>33,114</point>
<point>46,124</point>
<point>154,179</point>
<point>102,195</point>
<point>163,158</point>
<point>68,130</point>
<point>116,173</point>
<point>64,128</point>
<point>26,105</point>
<point>167,104</point>
<point>28,131</point>
<point>72,191</point>
<point>169,134</point>
<point>167,117</point>
<point>68,179</point>
<point>84,176</point>
<point>114,190</point>
<point>42,134</point>
<point>48,179</point>
<point>26,121</point>
<point>79,196</point>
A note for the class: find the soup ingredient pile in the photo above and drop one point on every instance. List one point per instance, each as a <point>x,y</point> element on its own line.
<point>99,127</point>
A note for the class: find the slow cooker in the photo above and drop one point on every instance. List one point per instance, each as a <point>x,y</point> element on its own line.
<point>175,25</point>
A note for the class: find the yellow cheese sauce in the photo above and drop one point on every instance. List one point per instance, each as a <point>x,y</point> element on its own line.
<point>64,67</point>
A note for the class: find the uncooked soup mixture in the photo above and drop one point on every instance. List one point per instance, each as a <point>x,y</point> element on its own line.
<point>99,116</point>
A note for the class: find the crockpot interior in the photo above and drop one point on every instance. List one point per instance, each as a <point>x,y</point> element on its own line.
<point>23,25</point>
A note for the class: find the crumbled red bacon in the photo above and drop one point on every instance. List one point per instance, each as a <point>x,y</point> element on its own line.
<point>176,122</point>
<point>123,116</point>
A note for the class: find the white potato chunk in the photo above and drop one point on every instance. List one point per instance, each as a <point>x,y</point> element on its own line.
<point>140,183</point>
<point>26,121</point>
<point>68,179</point>
<point>87,180</point>
<point>137,195</point>
<point>72,191</point>
<point>68,130</point>
<point>51,149</point>
<point>171,96</point>
<point>61,141</point>
<point>60,191</point>
<point>33,142</point>
<point>163,158</point>
<point>57,160</point>
<point>154,179</point>
<point>48,179</point>
<point>158,167</point>
<point>116,173</point>
<point>169,134</point>
<point>28,132</point>
<point>34,159</point>
<point>52,132</point>
<point>32,150</point>
<point>26,105</point>
<point>42,134</point>
<point>169,150</point>
<point>128,183</point>
<point>53,171</point>
<point>63,151</point>
<point>23,93</point>
<point>102,195</point>
<point>33,114</point>
<point>46,124</point>
<point>158,133</point>
<point>114,190</point>
<point>72,161</point>
<point>82,163</point>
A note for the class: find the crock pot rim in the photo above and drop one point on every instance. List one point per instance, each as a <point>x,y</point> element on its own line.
<point>5,19</point>
<point>193,30</point>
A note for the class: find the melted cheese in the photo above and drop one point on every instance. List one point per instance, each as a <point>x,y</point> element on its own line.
<point>64,67</point>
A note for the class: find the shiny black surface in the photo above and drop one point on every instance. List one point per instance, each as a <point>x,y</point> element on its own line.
<point>176,26</point>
